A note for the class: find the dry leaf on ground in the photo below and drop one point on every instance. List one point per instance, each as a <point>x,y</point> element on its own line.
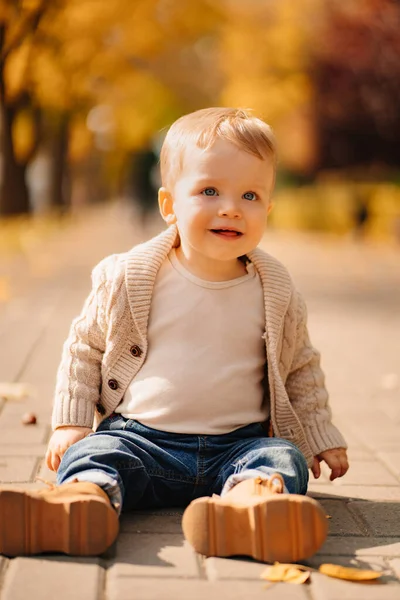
<point>292,573</point>
<point>16,391</point>
<point>348,573</point>
<point>288,573</point>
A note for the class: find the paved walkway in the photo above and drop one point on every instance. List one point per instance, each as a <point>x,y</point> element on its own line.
<point>353,294</point>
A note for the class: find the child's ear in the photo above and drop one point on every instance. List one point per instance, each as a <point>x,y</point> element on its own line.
<point>270,207</point>
<point>166,206</point>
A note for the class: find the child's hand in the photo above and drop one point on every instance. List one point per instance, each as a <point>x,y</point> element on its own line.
<point>60,441</point>
<point>336,459</point>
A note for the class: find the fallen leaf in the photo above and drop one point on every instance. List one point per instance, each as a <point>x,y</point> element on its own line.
<point>288,573</point>
<point>348,573</point>
<point>15,391</point>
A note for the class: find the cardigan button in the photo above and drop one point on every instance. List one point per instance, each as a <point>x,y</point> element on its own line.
<point>136,351</point>
<point>113,384</point>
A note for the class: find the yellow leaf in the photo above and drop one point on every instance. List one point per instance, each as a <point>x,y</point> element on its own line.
<point>348,573</point>
<point>16,391</point>
<point>288,573</point>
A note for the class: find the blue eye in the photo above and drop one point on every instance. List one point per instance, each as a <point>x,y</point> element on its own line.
<point>250,196</point>
<point>209,192</point>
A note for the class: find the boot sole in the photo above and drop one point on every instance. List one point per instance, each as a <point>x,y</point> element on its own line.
<point>283,528</point>
<point>32,524</point>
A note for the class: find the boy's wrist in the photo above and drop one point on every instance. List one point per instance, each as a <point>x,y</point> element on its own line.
<point>71,427</point>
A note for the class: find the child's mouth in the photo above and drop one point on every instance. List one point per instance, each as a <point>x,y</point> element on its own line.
<point>227,233</point>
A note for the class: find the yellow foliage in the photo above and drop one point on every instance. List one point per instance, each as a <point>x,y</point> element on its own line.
<point>263,56</point>
<point>23,135</point>
<point>349,574</point>
<point>16,70</point>
<point>80,141</point>
<point>30,5</point>
<point>291,573</point>
<point>51,83</point>
<point>287,573</point>
<point>329,206</point>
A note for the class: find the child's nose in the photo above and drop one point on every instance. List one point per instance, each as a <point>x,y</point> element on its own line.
<point>230,209</point>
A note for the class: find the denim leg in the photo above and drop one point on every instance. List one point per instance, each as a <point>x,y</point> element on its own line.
<point>262,457</point>
<point>96,459</point>
<point>135,465</point>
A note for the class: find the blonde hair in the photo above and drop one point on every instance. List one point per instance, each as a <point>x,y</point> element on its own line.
<point>203,127</point>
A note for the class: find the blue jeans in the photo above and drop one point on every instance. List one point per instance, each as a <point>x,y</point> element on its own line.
<point>141,467</point>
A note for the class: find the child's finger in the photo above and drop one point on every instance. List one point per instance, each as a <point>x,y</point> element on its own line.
<point>336,467</point>
<point>55,462</point>
<point>339,466</point>
<point>316,468</point>
<point>345,466</point>
<point>49,460</point>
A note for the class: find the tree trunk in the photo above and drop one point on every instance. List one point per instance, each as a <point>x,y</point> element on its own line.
<point>59,181</point>
<point>14,195</point>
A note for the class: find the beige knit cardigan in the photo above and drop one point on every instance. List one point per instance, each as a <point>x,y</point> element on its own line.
<point>107,345</point>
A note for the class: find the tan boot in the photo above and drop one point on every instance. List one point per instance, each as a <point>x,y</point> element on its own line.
<point>74,518</point>
<point>256,519</point>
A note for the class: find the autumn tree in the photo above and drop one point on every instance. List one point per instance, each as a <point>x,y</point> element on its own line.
<point>356,76</point>
<point>264,61</point>
<point>19,22</point>
<point>144,62</point>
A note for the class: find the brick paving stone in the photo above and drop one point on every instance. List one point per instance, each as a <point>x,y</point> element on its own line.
<point>23,485</point>
<point>16,346</point>
<point>390,444</point>
<point>328,588</point>
<point>392,461</point>
<point>394,564</point>
<point>36,450</point>
<point>3,563</point>
<point>154,555</point>
<point>13,410</point>
<point>17,469</point>
<point>359,453</point>
<point>142,589</point>
<point>361,546</point>
<point>342,522</point>
<point>232,568</point>
<point>362,492</point>
<point>49,578</point>
<point>383,518</point>
<point>376,430</point>
<point>24,435</point>
<point>376,563</point>
<point>162,521</point>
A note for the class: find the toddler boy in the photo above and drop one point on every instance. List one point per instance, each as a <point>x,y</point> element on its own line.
<point>189,350</point>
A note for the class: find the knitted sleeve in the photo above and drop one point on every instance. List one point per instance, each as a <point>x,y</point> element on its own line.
<point>78,378</point>
<point>305,386</point>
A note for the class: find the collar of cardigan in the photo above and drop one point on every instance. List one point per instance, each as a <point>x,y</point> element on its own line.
<point>144,261</point>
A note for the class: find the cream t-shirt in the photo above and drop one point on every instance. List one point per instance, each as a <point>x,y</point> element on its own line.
<point>205,364</point>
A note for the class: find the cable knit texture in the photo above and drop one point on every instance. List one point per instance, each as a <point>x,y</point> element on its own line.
<point>107,345</point>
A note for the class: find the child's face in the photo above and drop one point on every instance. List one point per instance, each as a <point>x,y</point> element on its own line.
<point>220,203</point>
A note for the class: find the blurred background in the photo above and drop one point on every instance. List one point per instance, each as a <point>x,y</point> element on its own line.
<point>88,89</point>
